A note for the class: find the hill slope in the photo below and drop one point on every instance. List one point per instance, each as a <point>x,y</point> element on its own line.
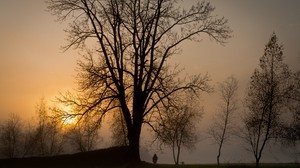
<point>110,157</point>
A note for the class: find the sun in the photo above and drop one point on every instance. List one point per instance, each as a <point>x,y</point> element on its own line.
<point>68,119</point>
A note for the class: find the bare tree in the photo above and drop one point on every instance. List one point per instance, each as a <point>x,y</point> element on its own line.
<point>128,45</point>
<point>48,136</point>
<point>265,99</point>
<point>223,125</point>
<point>177,127</point>
<point>11,137</point>
<point>41,130</point>
<point>84,135</point>
<point>43,138</point>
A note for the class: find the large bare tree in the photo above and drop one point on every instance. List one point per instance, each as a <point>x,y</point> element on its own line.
<point>223,124</point>
<point>128,45</point>
<point>268,89</point>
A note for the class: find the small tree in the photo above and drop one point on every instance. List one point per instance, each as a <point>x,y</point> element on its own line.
<point>223,125</point>
<point>84,135</point>
<point>30,140</point>
<point>11,137</point>
<point>265,99</point>
<point>48,136</point>
<point>176,128</point>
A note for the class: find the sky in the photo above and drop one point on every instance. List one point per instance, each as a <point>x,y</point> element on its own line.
<point>33,65</point>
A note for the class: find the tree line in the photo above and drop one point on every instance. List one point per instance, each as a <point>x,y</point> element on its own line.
<point>44,135</point>
<point>270,111</point>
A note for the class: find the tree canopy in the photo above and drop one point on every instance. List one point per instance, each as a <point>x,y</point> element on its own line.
<point>128,44</point>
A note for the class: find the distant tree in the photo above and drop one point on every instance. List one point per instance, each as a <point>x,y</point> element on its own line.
<point>266,98</point>
<point>177,127</point>
<point>48,135</point>
<point>119,131</point>
<point>11,137</point>
<point>41,130</point>
<point>223,124</point>
<point>56,138</point>
<point>29,138</point>
<point>128,45</point>
<point>84,135</point>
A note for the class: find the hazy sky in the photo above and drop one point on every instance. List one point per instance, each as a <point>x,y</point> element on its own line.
<point>32,64</point>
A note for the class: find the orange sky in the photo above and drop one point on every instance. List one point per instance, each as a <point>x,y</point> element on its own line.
<point>32,64</point>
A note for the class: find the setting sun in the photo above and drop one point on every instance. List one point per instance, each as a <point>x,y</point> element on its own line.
<point>68,119</point>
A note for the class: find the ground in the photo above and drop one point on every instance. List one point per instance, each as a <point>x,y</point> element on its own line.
<point>116,157</point>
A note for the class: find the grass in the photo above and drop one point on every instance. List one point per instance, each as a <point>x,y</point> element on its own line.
<point>116,157</point>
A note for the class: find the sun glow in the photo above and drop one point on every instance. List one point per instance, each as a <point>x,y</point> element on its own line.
<point>68,119</point>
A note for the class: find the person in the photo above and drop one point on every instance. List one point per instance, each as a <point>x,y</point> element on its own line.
<point>154,159</point>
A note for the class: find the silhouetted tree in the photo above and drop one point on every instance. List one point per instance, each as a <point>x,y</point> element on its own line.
<point>223,124</point>
<point>29,138</point>
<point>128,44</point>
<point>84,135</point>
<point>48,136</point>
<point>176,127</point>
<point>266,98</point>
<point>11,137</point>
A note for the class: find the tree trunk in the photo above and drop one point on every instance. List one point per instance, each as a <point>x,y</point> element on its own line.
<point>133,126</point>
<point>178,155</point>
<point>218,159</point>
<point>134,150</point>
<point>134,142</point>
<point>134,138</point>
<point>173,152</point>
<point>220,147</point>
<point>257,161</point>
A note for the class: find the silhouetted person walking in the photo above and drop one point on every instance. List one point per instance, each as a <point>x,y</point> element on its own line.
<point>154,159</point>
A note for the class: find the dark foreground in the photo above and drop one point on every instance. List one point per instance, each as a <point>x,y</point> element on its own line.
<point>116,157</point>
<point>110,157</point>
